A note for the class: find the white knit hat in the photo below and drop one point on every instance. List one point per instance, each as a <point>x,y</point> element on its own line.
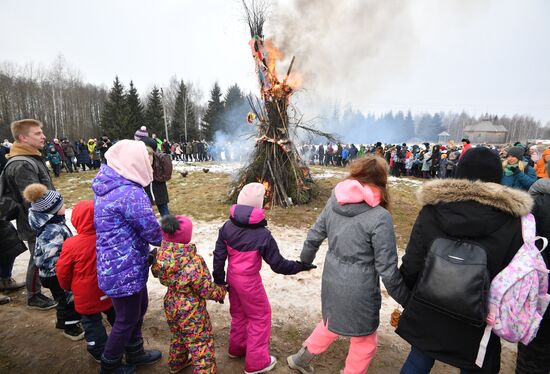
<point>252,195</point>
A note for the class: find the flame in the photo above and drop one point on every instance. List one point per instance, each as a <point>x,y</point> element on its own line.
<point>273,55</point>
<point>294,80</point>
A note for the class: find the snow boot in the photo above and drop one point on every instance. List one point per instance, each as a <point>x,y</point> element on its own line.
<point>136,355</point>
<point>115,366</point>
<point>269,367</point>
<point>300,361</point>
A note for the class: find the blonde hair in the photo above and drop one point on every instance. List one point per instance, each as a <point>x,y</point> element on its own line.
<point>373,171</point>
<point>22,127</point>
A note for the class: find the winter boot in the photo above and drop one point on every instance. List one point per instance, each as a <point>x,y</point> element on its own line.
<point>136,355</point>
<point>300,361</point>
<point>266,369</point>
<point>4,299</point>
<point>115,366</point>
<point>10,284</point>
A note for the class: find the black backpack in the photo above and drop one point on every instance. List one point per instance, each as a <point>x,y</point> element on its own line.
<point>455,280</point>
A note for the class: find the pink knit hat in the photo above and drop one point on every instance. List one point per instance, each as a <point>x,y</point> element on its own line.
<point>130,159</point>
<point>252,195</point>
<point>176,229</point>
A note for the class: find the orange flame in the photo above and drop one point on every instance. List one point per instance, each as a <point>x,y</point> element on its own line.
<point>293,81</point>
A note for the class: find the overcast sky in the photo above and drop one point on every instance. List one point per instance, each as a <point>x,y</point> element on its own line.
<point>426,55</point>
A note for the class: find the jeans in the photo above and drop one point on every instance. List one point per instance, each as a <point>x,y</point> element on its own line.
<point>33,280</point>
<point>420,363</point>
<point>94,331</point>
<point>163,209</point>
<point>6,267</point>
<point>127,327</point>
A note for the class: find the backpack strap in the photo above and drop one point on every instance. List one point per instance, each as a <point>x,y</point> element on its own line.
<point>529,231</point>
<point>28,159</point>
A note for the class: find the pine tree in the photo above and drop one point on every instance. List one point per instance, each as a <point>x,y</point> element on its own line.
<point>135,110</point>
<point>184,124</point>
<point>408,127</point>
<point>213,117</point>
<point>154,115</point>
<point>114,118</point>
<point>235,111</point>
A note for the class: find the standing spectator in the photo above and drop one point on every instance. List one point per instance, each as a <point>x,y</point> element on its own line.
<point>25,166</point>
<point>125,226</point>
<point>47,218</point>
<point>55,161</point>
<point>362,249</point>
<point>465,147</point>
<point>70,153</point>
<point>542,163</point>
<point>82,155</point>
<point>77,271</point>
<point>59,149</point>
<point>103,145</point>
<point>472,207</point>
<point>517,173</point>
<point>177,152</point>
<point>166,147</point>
<point>321,153</point>
<point>162,171</point>
<point>534,358</point>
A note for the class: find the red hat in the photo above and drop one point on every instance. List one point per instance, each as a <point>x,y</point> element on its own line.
<point>176,229</point>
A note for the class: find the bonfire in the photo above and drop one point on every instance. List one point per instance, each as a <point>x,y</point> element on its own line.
<point>275,161</point>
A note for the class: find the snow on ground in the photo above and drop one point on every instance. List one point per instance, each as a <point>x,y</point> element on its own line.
<point>293,297</point>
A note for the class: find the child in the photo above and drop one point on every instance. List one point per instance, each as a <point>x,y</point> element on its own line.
<point>76,271</point>
<point>47,218</point>
<point>183,270</point>
<point>55,160</point>
<point>245,240</point>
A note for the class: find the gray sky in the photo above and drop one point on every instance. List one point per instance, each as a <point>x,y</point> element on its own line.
<point>426,55</point>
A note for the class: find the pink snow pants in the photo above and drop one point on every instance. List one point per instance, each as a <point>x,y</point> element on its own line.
<point>250,321</point>
<point>361,349</point>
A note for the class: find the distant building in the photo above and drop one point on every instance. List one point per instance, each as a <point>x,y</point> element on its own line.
<point>443,137</point>
<point>485,132</point>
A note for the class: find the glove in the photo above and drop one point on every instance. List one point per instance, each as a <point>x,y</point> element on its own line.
<point>514,169</point>
<point>152,256</point>
<point>306,266</point>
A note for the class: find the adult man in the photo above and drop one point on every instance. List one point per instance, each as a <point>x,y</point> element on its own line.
<point>27,167</point>
<point>70,153</point>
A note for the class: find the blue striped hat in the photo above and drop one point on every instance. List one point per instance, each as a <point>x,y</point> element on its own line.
<point>49,203</point>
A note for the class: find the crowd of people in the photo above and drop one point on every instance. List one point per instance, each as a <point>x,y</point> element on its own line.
<point>104,268</point>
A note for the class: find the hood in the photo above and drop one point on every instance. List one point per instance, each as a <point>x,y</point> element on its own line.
<point>247,215</point>
<point>540,187</point>
<point>37,220</point>
<point>83,217</point>
<point>352,191</point>
<point>472,208</point>
<point>347,210</point>
<point>130,159</point>
<point>107,180</point>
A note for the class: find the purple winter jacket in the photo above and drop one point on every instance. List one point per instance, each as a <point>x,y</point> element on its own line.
<point>125,225</point>
<point>245,240</point>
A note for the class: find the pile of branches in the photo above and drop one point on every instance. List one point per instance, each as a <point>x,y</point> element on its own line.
<point>275,161</point>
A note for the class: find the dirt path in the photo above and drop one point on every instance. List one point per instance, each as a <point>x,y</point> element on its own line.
<point>31,344</point>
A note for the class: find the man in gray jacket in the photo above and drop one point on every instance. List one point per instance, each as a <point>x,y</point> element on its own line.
<point>24,167</point>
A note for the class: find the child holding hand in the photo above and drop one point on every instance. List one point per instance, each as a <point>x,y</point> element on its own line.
<point>179,267</point>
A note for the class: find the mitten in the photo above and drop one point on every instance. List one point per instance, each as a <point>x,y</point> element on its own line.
<point>306,266</point>
<point>396,314</point>
<point>152,256</point>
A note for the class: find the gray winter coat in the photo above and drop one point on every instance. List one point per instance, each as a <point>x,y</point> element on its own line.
<point>361,247</point>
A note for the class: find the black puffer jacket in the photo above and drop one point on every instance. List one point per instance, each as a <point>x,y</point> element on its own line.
<point>540,191</point>
<point>486,213</point>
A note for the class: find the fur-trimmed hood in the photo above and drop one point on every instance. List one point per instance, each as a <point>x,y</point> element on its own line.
<point>506,199</point>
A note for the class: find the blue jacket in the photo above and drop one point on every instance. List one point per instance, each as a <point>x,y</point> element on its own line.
<point>49,240</point>
<point>522,180</point>
<point>125,226</point>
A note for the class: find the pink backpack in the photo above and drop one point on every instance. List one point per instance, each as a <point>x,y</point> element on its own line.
<point>519,293</point>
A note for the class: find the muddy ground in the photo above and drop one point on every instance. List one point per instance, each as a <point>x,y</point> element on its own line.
<point>29,343</point>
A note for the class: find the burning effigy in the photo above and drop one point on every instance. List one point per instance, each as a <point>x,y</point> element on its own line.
<point>275,161</point>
